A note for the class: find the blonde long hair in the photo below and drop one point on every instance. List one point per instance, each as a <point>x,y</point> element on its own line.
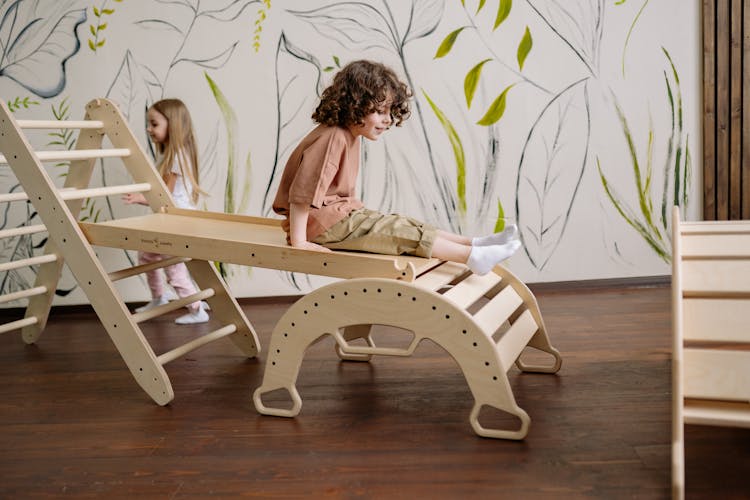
<point>180,144</point>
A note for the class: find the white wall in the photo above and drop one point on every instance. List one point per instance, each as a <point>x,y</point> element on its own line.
<point>541,160</point>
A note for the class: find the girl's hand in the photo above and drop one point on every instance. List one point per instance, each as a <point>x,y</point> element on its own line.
<point>309,245</point>
<point>134,198</point>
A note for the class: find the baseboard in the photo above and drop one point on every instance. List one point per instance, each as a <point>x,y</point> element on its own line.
<point>662,281</point>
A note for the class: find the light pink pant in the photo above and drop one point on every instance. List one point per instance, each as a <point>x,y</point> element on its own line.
<point>177,276</point>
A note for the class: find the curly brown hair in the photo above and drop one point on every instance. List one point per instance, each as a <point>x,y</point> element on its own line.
<point>358,90</point>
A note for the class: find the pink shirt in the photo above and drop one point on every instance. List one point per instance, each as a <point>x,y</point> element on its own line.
<point>322,173</point>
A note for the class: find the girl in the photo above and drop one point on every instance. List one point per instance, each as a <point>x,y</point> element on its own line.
<point>317,189</point>
<point>171,130</point>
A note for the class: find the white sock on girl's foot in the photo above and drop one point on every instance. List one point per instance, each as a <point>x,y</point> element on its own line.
<point>483,259</point>
<point>501,238</point>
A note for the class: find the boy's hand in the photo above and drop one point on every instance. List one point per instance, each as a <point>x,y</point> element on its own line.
<point>309,245</point>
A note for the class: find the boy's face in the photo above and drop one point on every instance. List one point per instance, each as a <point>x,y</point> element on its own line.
<point>157,126</point>
<point>375,123</point>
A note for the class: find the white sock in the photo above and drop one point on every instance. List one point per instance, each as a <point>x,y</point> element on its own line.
<point>483,259</point>
<point>509,233</point>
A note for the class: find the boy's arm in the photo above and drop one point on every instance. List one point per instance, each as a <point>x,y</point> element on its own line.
<point>298,213</point>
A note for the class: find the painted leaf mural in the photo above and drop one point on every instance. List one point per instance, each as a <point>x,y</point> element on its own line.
<point>424,17</point>
<point>134,87</point>
<point>36,42</point>
<point>356,25</point>
<point>579,23</point>
<point>550,171</point>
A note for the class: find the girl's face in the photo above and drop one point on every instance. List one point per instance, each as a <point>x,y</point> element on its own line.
<point>157,126</point>
<point>375,123</point>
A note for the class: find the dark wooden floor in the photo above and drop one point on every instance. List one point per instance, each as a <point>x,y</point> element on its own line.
<point>73,423</point>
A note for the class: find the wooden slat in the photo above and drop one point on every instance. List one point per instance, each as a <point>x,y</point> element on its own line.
<point>746,115</point>
<point>440,276</point>
<point>497,311</point>
<point>722,109</point>
<point>515,339</point>
<point>716,320</point>
<point>717,413</point>
<point>715,277</point>
<point>709,110</point>
<point>472,289</point>
<point>735,110</point>
<point>716,374</point>
<point>715,227</point>
<point>716,245</point>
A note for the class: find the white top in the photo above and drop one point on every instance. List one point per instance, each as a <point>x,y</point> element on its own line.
<point>183,188</point>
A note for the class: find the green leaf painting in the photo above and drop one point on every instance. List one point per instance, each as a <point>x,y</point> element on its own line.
<point>458,153</point>
<point>18,103</point>
<point>447,43</point>
<point>503,10</point>
<point>97,39</point>
<point>472,80</point>
<point>496,109</point>
<point>524,47</point>
<point>500,221</point>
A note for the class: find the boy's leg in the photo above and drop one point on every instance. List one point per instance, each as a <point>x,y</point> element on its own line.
<point>370,231</point>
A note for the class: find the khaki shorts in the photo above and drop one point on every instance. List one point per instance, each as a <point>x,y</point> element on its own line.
<point>366,230</point>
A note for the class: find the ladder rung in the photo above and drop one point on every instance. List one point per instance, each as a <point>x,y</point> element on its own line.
<point>21,196</point>
<point>173,306</point>
<point>18,324</point>
<point>79,124</point>
<point>143,268</point>
<point>76,154</point>
<point>79,194</point>
<point>31,261</point>
<point>194,344</point>
<point>20,231</point>
<point>23,294</point>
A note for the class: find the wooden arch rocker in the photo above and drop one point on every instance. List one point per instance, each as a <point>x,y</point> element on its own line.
<point>484,322</point>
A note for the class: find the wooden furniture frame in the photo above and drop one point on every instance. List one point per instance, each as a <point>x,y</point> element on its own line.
<point>711,340</point>
<point>486,323</point>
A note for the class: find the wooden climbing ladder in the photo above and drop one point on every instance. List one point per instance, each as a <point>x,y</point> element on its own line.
<point>59,209</point>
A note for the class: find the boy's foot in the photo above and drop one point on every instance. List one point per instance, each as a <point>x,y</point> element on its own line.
<point>508,234</point>
<point>193,318</point>
<point>483,259</point>
<point>158,301</point>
